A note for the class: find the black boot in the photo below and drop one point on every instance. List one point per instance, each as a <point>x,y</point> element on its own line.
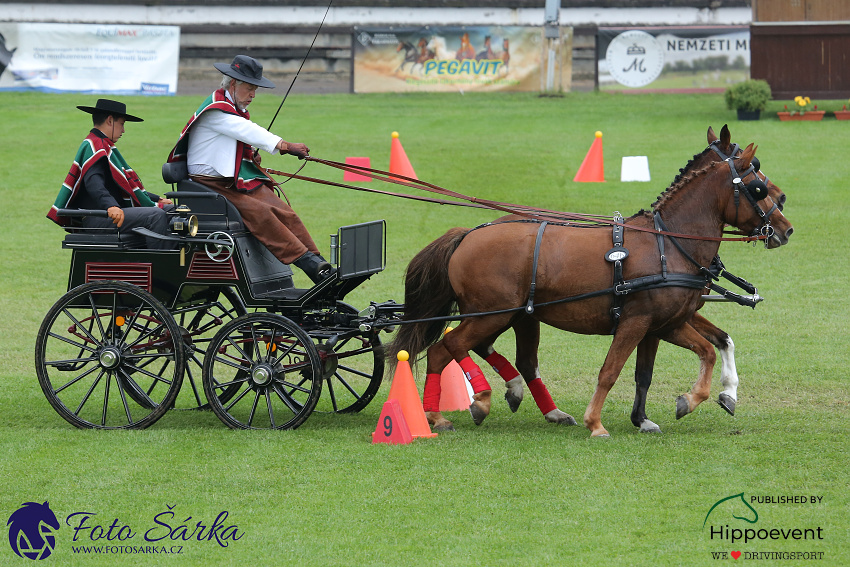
<point>316,267</point>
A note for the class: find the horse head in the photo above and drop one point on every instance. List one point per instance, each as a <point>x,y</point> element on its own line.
<point>754,198</point>
<point>722,148</point>
<point>31,530</point>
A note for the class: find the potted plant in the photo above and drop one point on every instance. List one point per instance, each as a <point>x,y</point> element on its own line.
<point>842,114</point>
<point>749,98</point>
<point>801,110</point>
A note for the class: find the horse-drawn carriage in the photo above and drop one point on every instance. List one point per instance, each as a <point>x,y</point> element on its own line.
<point>108,354</point>
<point>138,325</point>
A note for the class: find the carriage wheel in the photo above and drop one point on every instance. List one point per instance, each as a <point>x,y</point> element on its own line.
<point>198,324</point>
<point>353,370</point>
<point>106,358</point>
<point>274,367</point>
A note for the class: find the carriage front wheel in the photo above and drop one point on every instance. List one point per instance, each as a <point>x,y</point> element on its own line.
<point>107,358</point>
<point>271,368</point>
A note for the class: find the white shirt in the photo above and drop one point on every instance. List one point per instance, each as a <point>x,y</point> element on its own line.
<point>212,142</point>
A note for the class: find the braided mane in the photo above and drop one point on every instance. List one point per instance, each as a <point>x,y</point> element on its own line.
<point>681,180</point>
<point>684,173</point>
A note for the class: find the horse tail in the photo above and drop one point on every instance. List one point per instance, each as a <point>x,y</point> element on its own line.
<point>427,294</point>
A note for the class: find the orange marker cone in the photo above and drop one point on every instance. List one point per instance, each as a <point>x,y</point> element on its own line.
<point>399,163</point>
<point>404,390</point>
<point>352,175</point>
<point>591,168</point>
<point>454,393</point>
<point>392,427</point>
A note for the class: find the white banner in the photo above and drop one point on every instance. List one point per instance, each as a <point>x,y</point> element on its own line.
<point>89,58</point>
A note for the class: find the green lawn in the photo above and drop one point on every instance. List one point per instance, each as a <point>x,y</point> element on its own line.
<point>516,490</point>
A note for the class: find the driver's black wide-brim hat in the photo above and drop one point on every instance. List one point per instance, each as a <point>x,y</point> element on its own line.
<point>247,69</point>
<point>112,107</point>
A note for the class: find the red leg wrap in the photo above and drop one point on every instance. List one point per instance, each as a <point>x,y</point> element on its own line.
<point>501,365</point>
<point>431,395</point>
<point>541,396</point>
<point>474,375</point>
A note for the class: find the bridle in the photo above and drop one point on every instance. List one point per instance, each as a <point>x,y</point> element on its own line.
<point>755,191</point>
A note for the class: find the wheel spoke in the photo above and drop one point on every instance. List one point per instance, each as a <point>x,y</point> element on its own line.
<point>77,379</point>
<point>89,393</point>
<point>269,406</point>
<point>253,408</point>
<point>124,401</point>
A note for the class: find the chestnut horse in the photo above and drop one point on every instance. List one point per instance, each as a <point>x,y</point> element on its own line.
<point>718,149</point>
<point>573,281</point>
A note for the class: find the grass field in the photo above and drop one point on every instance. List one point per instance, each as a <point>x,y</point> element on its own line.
<point>516,490</point>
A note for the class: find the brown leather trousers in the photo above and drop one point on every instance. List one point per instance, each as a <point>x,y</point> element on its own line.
<point>269,219</point>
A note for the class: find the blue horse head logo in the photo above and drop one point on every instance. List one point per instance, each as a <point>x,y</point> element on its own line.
<point>31,530</point>
<point>750,514</point>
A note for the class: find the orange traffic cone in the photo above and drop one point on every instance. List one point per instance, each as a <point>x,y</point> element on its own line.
<point>392,427</point>
<point>591,168</point>
<point>454,395</point>
<point>399,163</point>
<point>404,390</point>
<point>353,175</point>
<point>454,389</point>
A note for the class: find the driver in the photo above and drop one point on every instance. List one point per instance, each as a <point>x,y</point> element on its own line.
<point>218,145</point>
<point>100,179</point>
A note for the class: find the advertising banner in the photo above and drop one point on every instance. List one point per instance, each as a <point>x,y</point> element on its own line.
<point>90,58</point>
<point>468,58</point>
<point>671,59</point>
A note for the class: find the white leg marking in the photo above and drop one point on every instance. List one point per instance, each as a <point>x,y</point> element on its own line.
<point>728,371</point>
<point>646,426</point>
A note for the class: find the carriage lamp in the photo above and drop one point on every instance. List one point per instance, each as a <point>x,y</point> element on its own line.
<point>183,223</point>
<point>334,256</point>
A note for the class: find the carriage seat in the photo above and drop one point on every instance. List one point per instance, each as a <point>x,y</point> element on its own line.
<point>266,274</point>
<point>214,212</point>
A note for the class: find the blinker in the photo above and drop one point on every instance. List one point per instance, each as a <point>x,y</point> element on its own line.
<point>758,189</point>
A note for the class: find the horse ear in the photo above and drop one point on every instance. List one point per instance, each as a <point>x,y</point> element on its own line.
<point>747,157</point>
<point>712,137</point>
<point>725,136</point>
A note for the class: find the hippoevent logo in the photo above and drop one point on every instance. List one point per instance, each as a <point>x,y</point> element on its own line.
<point>734,520</point>
<point>31,530</point>
<point>33,527</point>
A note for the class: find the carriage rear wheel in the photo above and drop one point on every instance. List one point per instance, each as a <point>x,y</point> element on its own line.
<point>273,366</point>
<point>106,357</point>
<point>198,324</point>
<point>353,369</point>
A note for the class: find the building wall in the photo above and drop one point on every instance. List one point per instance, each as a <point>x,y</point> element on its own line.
<point>280,32</point>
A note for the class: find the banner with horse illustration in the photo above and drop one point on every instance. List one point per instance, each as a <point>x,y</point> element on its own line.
<point>467,58</point>
<point>90,58</point>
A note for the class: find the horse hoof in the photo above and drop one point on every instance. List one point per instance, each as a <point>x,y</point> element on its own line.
<point>727,402</point>
<point>649,427</point>
<point>559,417</point>
<point>682,408</point>
<point>447,426</point>
<point>513,401</point>
<point>478,414</point>
<point>603,435</point>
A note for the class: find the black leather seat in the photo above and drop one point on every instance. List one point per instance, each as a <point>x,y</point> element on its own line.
<point>214,212</point>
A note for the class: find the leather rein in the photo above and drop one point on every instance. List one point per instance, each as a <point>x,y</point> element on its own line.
<point>535,213</point>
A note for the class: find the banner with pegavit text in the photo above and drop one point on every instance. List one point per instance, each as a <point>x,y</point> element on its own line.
<point>89,58</point>
<point>458,58</point>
